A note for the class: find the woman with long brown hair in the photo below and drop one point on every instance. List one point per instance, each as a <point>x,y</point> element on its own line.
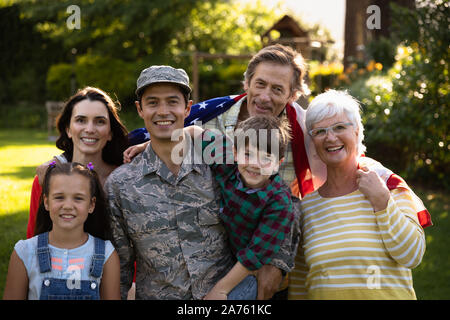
<point>90,130</point>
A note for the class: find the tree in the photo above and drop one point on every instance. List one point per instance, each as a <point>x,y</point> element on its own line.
<point>222,27</point>
<point>406,112</point>
<point>421,88</point>
<point>119,29</point>
<point>386,15</point>
<point>358,36</point>
<point>25,57</point>
<point>126,36</point>
<point>355,30</point>
<point>35,35</point>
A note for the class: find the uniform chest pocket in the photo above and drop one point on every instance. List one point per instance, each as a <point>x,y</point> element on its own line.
<point>208,214</point>
<point>213,234</point>
<point>151,220</point>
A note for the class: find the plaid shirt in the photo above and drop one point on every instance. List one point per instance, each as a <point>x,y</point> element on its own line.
<point>256,220</point>
<point>226,123</point>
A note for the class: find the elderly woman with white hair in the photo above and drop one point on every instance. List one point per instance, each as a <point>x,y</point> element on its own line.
<point>362,229</point>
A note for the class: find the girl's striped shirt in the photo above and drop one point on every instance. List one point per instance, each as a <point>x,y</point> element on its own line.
<point>348,251</point>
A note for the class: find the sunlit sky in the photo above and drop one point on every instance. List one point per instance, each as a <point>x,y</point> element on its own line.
<point>328,13</point>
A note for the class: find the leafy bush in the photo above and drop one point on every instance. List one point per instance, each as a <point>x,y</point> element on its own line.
<point>421,90</point>
<point>25,57</point>
<point>116,77</point>
<point>383,51</point>
<point>221,79</point>
<point>406,111</point>
<point>112,75</point>
<point>323,76</point>
<point>58,82</point>
<point>24,115</point>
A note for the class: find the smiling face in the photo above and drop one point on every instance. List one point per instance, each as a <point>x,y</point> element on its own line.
<point>269,89</point>
<point>163,109</point>
<point>256,166</point>
<point>337,149</point>
<point>69,201</point>
<point>89,127</point>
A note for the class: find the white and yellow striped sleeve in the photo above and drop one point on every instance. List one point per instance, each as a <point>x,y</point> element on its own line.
<point>400,229</point>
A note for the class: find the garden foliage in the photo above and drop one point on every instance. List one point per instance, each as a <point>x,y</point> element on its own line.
<point>406,111</point>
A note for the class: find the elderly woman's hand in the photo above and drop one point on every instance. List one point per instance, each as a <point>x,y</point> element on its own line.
<point>373,187</point>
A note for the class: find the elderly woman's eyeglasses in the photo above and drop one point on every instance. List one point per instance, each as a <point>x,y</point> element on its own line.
<point>337,128</point>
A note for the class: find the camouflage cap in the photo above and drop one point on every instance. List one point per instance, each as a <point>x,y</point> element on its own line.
<point>163,74</point>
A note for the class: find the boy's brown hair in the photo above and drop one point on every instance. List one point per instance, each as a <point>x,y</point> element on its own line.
<point>263,126</point>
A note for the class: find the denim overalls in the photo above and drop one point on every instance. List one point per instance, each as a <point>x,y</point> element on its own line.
<point>59,289</point>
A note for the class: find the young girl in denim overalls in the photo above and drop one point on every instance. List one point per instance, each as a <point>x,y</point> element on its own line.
<point>69,258</point>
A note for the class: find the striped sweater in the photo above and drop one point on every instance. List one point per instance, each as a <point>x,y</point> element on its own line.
<point>350,252</point>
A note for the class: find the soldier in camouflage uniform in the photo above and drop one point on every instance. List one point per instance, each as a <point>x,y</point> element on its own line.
<point>169,224</point>
<point>165,215</point>
<point>166,219</point>
<point>274,79</point>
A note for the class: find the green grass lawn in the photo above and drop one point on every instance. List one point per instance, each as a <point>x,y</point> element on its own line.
<point>21,151</point>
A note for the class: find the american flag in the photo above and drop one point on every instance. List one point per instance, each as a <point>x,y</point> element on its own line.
<point>207,110</point>
<point>200,112</point>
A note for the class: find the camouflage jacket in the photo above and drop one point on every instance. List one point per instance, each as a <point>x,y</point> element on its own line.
<point>169,225</point>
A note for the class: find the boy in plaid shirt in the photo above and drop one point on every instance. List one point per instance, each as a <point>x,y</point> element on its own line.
<point>256,205</point>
